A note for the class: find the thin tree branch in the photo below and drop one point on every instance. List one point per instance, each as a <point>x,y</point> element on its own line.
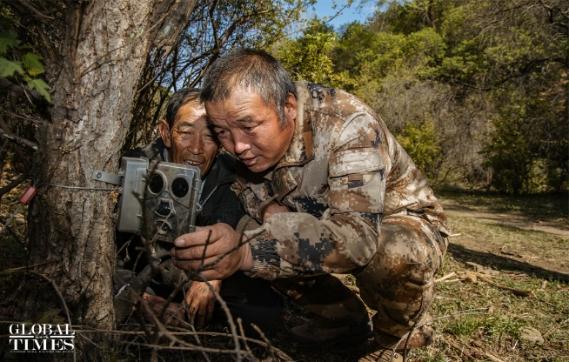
<point>14,183</point>
<point>19,140</point>
<point>23,5</point>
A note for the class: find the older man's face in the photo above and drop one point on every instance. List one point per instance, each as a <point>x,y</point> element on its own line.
<point>190,140</point>
<point>250,128</point>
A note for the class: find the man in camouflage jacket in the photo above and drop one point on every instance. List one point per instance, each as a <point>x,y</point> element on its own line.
<point>335,193</point>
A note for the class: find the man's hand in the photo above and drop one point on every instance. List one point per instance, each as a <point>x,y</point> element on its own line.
<point>152,306</point>
<point>273,208</point>
<point>200,301</point>
<point>217,246</point>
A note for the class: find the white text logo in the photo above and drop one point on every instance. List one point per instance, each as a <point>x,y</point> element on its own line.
<point>37,338</point>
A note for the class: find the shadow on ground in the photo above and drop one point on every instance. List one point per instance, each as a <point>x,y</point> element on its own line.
<point>460,253</point>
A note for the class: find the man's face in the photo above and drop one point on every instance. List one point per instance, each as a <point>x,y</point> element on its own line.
<point>250,128</point>
<point>190,140</point>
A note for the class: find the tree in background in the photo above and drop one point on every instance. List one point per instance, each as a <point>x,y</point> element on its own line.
<point>310,56</point>
<point>213,27</point>
<point>482,73</point>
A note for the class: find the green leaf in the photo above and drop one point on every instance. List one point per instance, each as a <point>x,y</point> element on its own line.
<point>41,87</point>
<point>32,64</point>
<point>7,40</point>
<point>8,68</point>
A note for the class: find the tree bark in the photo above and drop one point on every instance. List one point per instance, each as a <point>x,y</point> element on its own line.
<point>102,55</point>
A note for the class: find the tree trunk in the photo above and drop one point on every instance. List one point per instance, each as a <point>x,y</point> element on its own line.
<point>72,225</point>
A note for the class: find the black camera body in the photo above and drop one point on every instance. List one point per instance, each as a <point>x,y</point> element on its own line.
<point>160,200</point>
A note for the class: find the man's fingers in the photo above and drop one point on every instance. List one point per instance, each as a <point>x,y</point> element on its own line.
<point>198,265</point>
<point>210,274</point>
<point>192,310</point>
<point>210,308</point>
<point>201,315</point>
<point>202,236</point>
<point>195,253</point>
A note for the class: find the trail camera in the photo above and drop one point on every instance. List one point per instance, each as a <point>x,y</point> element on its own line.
<point>159,200</point>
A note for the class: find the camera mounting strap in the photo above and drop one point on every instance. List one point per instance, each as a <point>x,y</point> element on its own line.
<point>106,177</point>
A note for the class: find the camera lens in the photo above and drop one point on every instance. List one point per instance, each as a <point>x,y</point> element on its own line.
<point>180,187</point>
<point>156,183</point>
<point>163,209</point>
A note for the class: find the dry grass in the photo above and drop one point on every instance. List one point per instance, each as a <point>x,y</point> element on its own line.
<point>477,318</point>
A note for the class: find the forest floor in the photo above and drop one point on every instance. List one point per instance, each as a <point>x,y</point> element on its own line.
<point>502,294</point>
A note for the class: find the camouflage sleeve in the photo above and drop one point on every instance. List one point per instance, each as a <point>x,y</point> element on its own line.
<point>251,196</point>
<point>292,244</point>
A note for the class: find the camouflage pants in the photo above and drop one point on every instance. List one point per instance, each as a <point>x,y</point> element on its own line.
<point>398,283</point>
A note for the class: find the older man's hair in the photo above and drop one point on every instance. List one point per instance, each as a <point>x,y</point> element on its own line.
<point>253,70</point>
<point>177,100</point>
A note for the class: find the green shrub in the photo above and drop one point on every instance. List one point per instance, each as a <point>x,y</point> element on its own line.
<point>422,144</point>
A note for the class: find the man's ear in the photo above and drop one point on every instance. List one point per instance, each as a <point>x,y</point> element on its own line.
<point>290,109</point>
<point>164,130</point>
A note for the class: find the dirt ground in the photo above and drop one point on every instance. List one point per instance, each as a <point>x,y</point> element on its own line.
<point>547,251</point>
<point>503,294</point>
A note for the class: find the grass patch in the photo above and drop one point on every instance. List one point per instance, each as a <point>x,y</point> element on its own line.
<point>487,326</point>
<point>476,318</point>
<point>463,327</point>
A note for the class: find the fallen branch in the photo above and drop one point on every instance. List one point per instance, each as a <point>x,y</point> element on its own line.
<point>25,268</point>
<point>448,276</point>
<point>515,291</point>
<point>492,357</point>
<point>181,333</point>
<point>466,312</point>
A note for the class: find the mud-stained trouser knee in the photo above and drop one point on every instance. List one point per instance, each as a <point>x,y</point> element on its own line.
<point>398,283</point>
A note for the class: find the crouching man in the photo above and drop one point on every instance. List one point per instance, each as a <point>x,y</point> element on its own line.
<point>334,192</point>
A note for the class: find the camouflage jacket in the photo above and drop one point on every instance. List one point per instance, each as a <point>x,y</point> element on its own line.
<point>343,172</point>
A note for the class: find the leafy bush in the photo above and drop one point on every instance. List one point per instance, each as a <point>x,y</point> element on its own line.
<point>422,144</point>
<point>19,62</point>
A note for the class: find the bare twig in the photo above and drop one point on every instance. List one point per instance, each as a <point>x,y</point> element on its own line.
<point>462,347</point>
<point>13,184</point>
<point>24,268</point>
<point>38,15</point>
<point>12,232</point>
<point>242,331</point>
<point>220,257</point>
<point>465,312</point>
<point>492,357</point>
<point>515,291</point>
<point>20,140</point>
<point>207,241</point>
<point>63,303</point>
<point>266,340</point>
<point>448,276</point>
<point>199,342</point>
<point>225,308</point>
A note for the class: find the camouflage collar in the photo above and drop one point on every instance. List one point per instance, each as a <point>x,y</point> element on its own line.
<point>301,146</point>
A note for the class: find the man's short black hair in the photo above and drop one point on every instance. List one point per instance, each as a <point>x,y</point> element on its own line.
<point>250,69</point>
<point>177,100</point>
